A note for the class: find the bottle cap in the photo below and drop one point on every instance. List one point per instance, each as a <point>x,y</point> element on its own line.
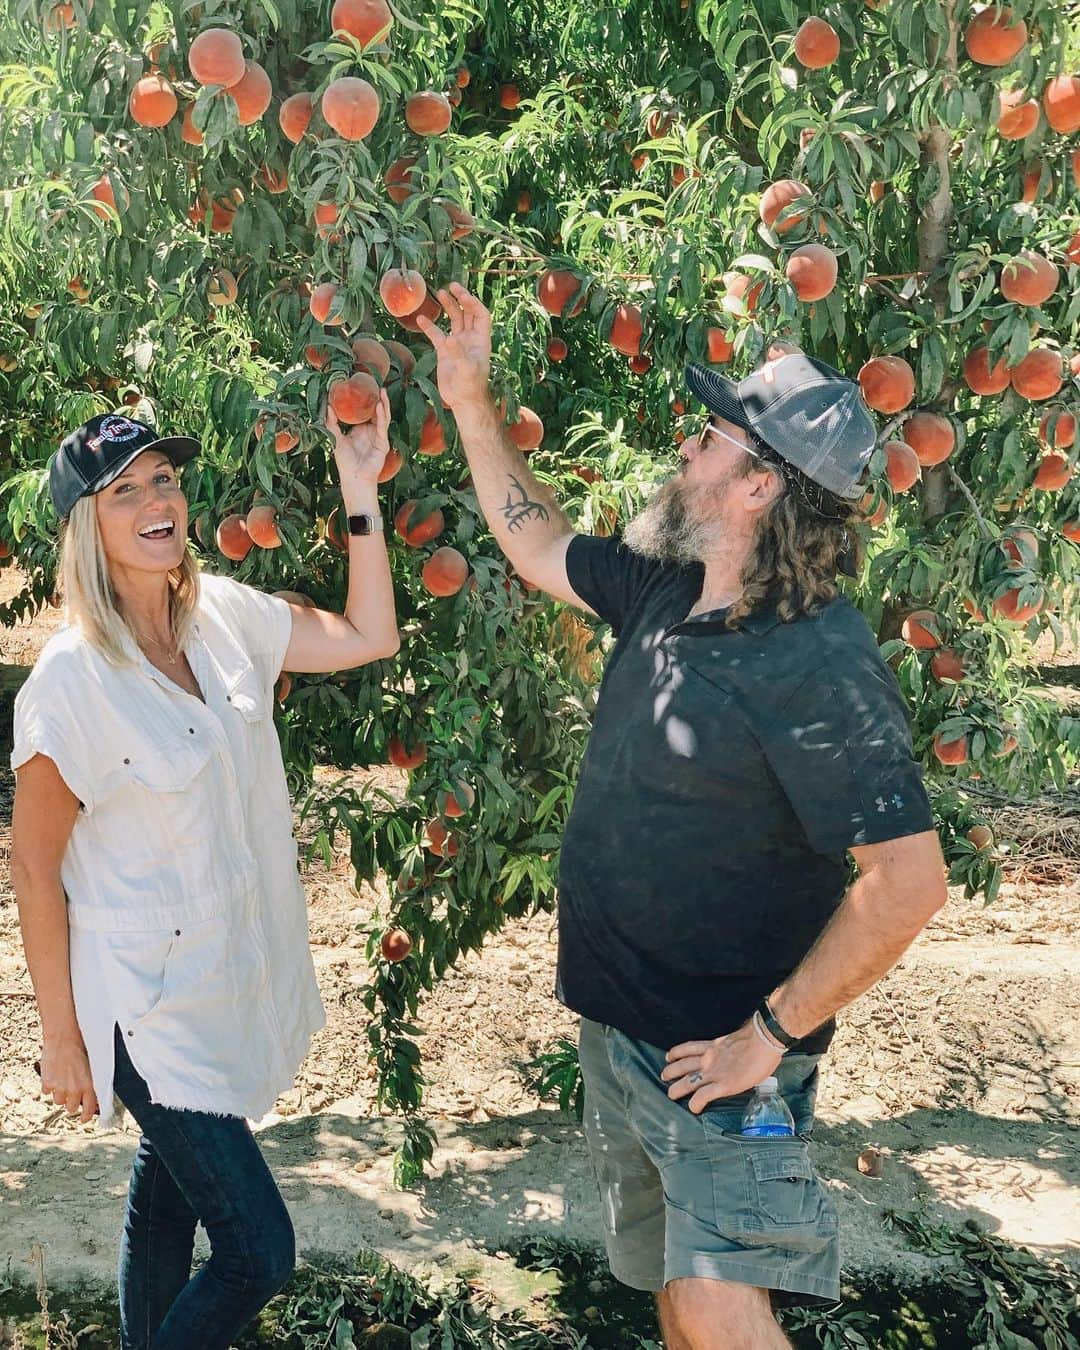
<point>768,1085</point>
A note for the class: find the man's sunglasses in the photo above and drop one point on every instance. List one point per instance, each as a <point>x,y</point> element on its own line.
<point>810,492</point>
<point>709,429</point>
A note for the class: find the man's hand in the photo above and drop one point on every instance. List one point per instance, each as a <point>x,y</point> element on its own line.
<point>465,352</point>
<point>361,451</point>
<point>721,1068</point>
<point>65,1076</point>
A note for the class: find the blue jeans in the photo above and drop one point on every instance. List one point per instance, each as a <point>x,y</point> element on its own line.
<point>192,1167</point>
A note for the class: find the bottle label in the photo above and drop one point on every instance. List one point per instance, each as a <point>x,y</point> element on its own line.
<point>768,1131</point>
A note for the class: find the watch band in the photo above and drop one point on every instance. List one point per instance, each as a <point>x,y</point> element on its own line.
<point>365,523</point>
<point>773,1027</point>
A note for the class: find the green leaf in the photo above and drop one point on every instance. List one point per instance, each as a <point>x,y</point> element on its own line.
<point>107,336</point>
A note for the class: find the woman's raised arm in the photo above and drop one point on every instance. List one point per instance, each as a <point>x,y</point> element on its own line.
<point>367,630</point>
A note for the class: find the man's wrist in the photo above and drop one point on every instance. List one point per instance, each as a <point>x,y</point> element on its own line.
<point>761,1031</point>
<point>775,1023</point>
<point>794,1016</point>
<point>473,405</point>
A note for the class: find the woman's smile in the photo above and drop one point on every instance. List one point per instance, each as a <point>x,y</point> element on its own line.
<point>162,528</point>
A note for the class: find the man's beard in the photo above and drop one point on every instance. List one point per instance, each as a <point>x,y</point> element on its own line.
<point>667,530</point>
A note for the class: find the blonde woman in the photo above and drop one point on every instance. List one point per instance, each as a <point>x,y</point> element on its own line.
<point>154,863</point>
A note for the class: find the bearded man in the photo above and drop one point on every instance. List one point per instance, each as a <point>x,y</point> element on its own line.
<point>748,737</point>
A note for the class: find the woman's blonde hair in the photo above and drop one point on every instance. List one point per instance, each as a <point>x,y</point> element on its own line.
<point>89,599</point>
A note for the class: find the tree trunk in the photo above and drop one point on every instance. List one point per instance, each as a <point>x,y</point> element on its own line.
<point>934,222</point>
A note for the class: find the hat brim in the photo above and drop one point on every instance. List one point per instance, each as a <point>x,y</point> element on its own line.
<point>719,394</point>
<point>179,449</point>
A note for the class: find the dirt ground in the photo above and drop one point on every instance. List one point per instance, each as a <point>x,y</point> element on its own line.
<point>962,1067</point>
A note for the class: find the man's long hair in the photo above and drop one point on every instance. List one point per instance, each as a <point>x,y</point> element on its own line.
<point>804,539</point>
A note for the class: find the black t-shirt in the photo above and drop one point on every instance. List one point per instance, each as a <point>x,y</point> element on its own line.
<point>726,776</point>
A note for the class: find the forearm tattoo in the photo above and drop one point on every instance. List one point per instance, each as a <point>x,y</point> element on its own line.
<point>519,509</point>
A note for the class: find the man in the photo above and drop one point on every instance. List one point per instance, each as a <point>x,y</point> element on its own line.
<point>747,737</point>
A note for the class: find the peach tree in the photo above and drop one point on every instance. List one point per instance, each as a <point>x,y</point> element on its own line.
<point>226,214</point>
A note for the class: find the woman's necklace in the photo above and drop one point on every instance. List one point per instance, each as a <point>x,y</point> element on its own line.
<point>171,656</point>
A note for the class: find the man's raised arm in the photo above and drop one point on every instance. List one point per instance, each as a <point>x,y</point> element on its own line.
<point>523,515</point>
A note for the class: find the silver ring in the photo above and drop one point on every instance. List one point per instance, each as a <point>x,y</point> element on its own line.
<point>694,1078</point>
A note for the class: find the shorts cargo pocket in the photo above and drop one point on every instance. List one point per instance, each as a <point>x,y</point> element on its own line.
<point>783,1202</point>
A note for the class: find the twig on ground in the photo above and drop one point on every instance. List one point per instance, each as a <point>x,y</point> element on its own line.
<point>887,1000</point>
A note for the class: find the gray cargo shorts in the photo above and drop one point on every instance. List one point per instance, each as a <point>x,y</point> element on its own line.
<point>687,1196</point>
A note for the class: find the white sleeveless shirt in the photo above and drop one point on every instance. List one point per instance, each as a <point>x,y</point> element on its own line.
<point>188,922</point>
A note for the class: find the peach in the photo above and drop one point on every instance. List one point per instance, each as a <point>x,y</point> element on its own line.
<point>353,399</point>
<point>322,300</point>
<point>931,436</point>
<point>428,113</point>
<point>350,106</point>
<point>402,291</point>
<point>366,20</point>
<point>403,758</point>
<point>417,530</point>
<point>951,752</point>
<point>370,355</point>
<point>395,943</point>
<point>887,383</point>
<point>902,466</point>
<point>445,572</point>
<point>233,539</point>
<point>432,437</point>
<point>776,198</point>
<point>920,630</point>
<point>217,57</point>
<point>261,524</point>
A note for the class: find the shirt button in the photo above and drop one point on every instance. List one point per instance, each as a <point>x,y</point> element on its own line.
<point>126,760</point>
<point>130,1032</point>
<point>191,731</point>
<point>228,698</point>
<point>176,932</point>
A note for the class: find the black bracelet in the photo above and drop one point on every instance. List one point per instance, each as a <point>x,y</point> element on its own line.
<point>773,1027</point>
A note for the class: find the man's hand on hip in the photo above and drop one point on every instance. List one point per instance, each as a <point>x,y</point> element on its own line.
<point>721,1068</point>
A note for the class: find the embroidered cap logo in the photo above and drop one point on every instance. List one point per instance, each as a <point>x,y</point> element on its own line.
<point>114,429</point>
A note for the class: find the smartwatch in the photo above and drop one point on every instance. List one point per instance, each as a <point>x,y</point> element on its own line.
<point>365,524</point>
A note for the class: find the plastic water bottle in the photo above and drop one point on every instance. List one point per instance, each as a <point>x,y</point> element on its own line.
<point>767,1114</point>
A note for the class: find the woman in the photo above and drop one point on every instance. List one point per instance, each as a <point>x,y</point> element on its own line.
<point>162,915</point>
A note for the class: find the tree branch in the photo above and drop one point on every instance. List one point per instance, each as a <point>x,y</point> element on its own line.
<point>984,529</point>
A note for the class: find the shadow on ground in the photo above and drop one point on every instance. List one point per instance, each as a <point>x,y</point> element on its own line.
<point>517,1179</point>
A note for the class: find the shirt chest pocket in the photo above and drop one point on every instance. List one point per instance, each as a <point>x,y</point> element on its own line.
<point>246,696</point>
<point>175,782</point>
<point>246,719</point>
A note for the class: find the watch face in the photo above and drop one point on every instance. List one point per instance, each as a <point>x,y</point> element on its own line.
<point>364,524</point>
